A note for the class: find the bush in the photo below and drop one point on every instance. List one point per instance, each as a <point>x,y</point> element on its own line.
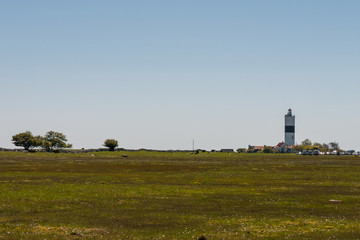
<point>241,150</point>
<point>268,150</point>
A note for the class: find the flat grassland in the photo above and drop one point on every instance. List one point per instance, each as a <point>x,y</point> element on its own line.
<point>152,195</point>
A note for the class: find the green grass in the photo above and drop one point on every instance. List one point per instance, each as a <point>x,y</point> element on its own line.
<point>152,195</point>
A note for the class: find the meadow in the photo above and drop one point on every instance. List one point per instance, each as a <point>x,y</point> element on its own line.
<point>153,195</point>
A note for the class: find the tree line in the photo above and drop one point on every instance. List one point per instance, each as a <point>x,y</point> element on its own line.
<point>51,142</point>
<point>54,141</point>
<point>307,144</point>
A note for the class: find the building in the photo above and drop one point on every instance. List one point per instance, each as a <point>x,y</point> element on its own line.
<point>281,147</point>
<point>289,128</point>
<point>256,148</point>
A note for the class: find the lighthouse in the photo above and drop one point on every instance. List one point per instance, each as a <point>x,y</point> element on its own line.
<point>289,129</point>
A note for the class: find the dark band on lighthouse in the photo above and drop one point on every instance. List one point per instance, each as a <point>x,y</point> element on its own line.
<point>290,129</point>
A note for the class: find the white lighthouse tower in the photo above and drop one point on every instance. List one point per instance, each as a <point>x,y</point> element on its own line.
<point>289,129</point>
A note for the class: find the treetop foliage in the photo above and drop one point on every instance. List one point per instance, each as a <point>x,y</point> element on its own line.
<point>306,142</point>
<point>26,140</point>
<point>50,142</point>
<point>308,145</point>
<point>111,144</point>
<point>55,140</point>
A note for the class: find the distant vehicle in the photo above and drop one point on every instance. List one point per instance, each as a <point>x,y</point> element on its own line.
<point>304,152</point>
<point>310,152</point>
<point>298,153</point>
<point>358,153</point>
<point>350,152</point>
<point>316,152</point>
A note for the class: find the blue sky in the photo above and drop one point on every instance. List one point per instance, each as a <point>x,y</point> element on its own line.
<point>156,74</point>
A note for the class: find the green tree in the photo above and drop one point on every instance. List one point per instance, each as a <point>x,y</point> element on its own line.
<point>298,148</point>
<point>319,145</point>
<point>326,147</point>
<point>111,144</point>
<point>26,140</point>
<point>268,149</point>
<point>306,142</point>
<point>54,141</point>
<point>335,146</point>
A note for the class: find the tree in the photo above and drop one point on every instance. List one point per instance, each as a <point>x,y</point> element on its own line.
<point>334,146</point>
<point>111,144</point>
<point>26,140</point>
<point>298,148</point>
<point>54,141</point>
<point>326,147</point>
<point>268,149</point>
<point>306,142</point>
<point>319,145</point>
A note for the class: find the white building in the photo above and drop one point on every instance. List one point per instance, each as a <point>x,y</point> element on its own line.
<point>289,129</point>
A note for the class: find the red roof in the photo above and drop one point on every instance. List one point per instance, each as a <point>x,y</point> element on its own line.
<point>279,144</point>
<point>259,147</point>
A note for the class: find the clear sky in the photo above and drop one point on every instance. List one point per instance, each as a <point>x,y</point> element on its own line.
<point>156,74</point>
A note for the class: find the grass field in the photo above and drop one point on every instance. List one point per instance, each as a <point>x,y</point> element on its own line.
<point>151,195</point>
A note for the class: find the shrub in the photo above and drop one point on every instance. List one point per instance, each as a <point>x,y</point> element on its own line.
<point>268,150</point>
<point>241,150</point>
